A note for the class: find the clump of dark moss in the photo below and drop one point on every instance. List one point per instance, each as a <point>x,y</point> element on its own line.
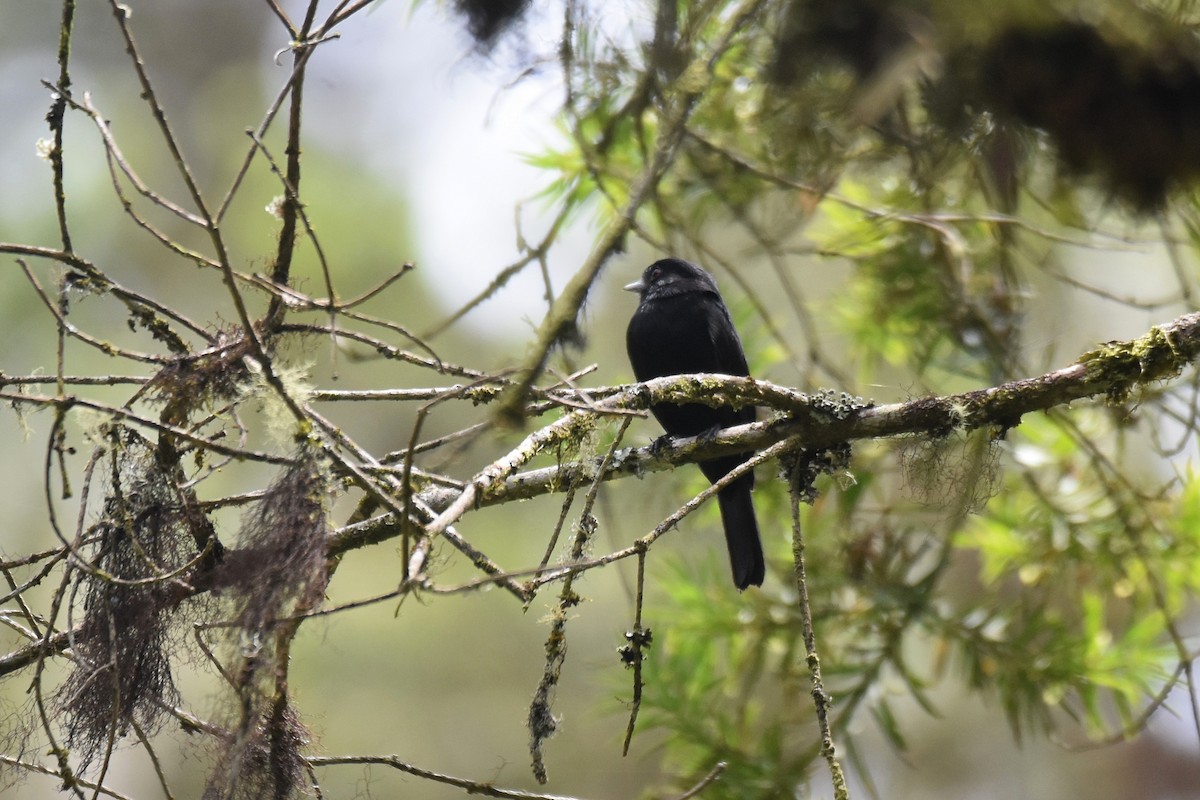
<point>133,582</point>
<point>1130,113</point>
<point>263,762</point>
<point>488,20</point>
<point>281,556</point>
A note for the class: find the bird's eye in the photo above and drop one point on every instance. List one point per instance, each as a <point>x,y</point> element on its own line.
<point>655,274</point>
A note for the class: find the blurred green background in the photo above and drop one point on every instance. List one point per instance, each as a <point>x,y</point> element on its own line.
<point>414,152</point>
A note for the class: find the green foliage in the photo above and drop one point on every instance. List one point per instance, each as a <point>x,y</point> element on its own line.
<point>944,221</point>
<point>1044,610</point>
<point>1076,593</point>
<point>736,687</point>
<point>901,197</point>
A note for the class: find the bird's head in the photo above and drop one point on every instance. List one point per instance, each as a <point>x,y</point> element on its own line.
<point>672,276</point>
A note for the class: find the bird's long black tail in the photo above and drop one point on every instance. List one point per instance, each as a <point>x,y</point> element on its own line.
<point>741,534</point>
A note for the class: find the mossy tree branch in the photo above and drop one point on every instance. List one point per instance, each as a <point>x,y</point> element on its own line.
<point>1115,371</point>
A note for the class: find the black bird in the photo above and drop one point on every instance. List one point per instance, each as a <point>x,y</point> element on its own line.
<point>681,326</point>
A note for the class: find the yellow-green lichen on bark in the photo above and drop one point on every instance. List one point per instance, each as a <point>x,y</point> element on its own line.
<point>1124,365</point>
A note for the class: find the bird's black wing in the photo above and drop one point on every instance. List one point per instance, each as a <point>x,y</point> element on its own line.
<point>728,356</point>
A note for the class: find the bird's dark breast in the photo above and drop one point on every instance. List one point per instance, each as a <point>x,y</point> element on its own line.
<point>673,336</point>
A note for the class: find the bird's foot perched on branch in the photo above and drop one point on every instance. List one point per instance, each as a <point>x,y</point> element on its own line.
<point>660,444</point>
